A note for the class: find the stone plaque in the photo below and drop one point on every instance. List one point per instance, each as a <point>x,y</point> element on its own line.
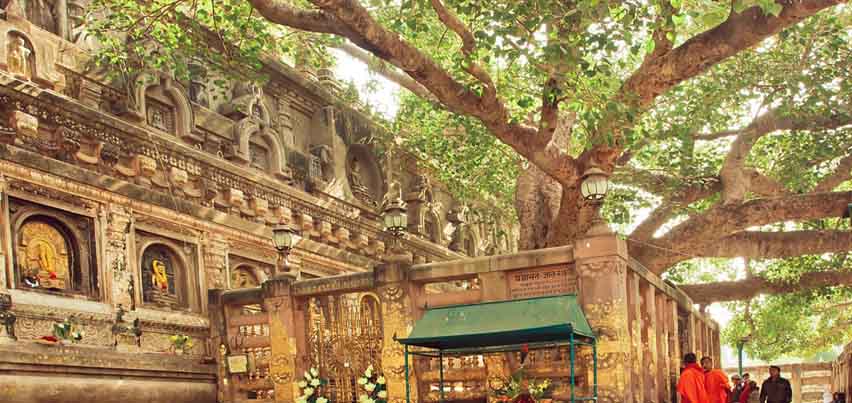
<point>537,282</point>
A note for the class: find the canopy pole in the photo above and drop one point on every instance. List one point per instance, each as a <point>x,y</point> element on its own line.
<point>571,346</point>
<point>595,368</point>
<point>441,373</point>
<point>407,384</point>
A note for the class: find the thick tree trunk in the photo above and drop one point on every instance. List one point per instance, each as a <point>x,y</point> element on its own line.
<point>749,288</point>
<point>537,201</point>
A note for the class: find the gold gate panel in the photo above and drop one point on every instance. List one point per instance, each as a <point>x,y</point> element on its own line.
<point>344,337</point>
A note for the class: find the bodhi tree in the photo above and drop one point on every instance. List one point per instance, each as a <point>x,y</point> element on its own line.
<point>727,124</point>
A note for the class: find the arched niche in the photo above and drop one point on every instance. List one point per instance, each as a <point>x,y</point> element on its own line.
<point>164,273</point>
<point>19,56</point>
<point>52,250</point>
<point>258,146</point>
<point>432,224</point>
<point>470,241</point>
<point>364,175</point>
<point>246,276</point>
<point>162,103</point>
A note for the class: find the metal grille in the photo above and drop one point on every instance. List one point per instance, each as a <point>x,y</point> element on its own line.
<point>344,337</point>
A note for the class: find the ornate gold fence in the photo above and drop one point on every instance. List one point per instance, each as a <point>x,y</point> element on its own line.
<point>344,336</point>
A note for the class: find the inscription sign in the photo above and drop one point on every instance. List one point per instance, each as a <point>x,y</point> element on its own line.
<point>528,283</point>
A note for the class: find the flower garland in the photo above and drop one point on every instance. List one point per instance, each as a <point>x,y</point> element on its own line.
<point>375,385</point>
<point>311,386</point>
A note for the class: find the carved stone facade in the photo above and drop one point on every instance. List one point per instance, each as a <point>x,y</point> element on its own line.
<point>123,204</point>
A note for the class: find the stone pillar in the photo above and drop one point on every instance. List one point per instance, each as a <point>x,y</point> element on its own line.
<point>278,302</point>
<point>692,339</point>
<point>674,346</point>
<point>5,233</point>
<point>601,263</point>
<point>117,230</point>
<point>215,248</point>
<point>649,341</point>
<point>796,382</point>
<point>397,321</point>
<point>634,315</point>
<point>663,329</point>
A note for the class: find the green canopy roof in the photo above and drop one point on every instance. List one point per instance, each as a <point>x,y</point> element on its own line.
<point>500,323</point>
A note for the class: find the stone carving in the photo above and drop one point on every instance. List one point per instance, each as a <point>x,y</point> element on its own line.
<point>44,256</point>
<point>24,124</point>
<point>242,277</point>
<point>357,182</point>
<point>198,85</point>
<point>257,145</point>
<point>77,22</point>
<point>7,318</point>
<point>44,13</point>
<point>19,57</point>
<point>175,118</point>
<point>320,169</point>
<point>246,102</point>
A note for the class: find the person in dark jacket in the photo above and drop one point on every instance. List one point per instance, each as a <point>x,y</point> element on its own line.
<point>776,389</point>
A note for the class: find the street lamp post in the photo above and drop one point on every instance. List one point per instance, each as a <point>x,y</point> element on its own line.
<point>740,344</point>
<point>395,219</point>
<point>283,238</point>
<point>594,186</point>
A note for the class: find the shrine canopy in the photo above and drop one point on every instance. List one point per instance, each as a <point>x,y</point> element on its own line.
<point>503,323</point>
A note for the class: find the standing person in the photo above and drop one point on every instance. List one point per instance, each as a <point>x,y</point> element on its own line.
<point>776,389</point>
<point>750,392</point>
<point>690,386</point>
<point>715,381</point>
<point>736,390</point>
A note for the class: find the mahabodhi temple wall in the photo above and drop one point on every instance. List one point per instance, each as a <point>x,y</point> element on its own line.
<point>342,324</point>
<point>123,203</point>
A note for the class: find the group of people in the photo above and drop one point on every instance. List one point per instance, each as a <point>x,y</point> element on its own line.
<point>706,384</point>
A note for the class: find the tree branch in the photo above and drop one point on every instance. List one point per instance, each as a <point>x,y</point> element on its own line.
<point>841,174</point>
<point>391,73</point>
<point>747,289</point>
<point>723,220</point>
<point>699,53</point>
<point>763,185</point>
<point>368,34</point>
<point>468,47</point>
<point>776,245</point>
<point>736,180</point>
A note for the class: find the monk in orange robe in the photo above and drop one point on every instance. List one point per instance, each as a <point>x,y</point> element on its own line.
<point>690,386</point>
<point>716,382</point>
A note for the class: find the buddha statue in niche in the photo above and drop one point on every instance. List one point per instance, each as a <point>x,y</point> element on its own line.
<point>44,253</point>
<point>18,58</point>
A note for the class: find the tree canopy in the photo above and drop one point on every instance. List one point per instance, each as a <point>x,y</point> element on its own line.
<point>726,127</point>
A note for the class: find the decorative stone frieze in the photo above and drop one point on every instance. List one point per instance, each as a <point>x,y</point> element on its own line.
<point>235,197</point>
<point>178,176</point>
<point>24,124</point>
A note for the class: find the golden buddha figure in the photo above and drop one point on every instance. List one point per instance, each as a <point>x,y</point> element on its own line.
<point>46,256</point>
<point>160,278</point>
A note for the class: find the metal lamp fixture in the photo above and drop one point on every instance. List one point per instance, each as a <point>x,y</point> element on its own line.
<point>595,184</point>
<point>395,217</point>
<point>283,237</point>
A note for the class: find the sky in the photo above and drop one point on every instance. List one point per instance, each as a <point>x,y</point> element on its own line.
<point>381,95</point>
